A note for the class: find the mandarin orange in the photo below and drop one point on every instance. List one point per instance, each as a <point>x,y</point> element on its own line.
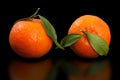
<point>92,24</point>
<point>29,39</point>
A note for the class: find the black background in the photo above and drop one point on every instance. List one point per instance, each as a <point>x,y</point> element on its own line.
<point>61,14</point>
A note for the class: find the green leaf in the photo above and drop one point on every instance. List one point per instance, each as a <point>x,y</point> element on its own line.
<point>50,30</point>
<point>97,66</point>
<point>98,44</point>
<point>70,39</point>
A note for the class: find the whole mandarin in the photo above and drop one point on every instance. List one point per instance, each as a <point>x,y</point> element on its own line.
<point>29,39</point>
<point>92,24</point>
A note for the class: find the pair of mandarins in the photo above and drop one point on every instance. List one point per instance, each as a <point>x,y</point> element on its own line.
<point>29,39</point>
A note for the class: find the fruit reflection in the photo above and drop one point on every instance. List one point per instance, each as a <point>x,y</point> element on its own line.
<point>19,70</point>
<point>92,70</point>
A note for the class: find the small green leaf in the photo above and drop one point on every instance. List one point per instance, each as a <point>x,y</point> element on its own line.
<point>70,39</point>
<point>50,30</point>
<point>98,44</point>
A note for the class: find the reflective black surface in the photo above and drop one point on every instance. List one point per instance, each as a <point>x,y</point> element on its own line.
<point>65,66</point>
<point>69,66</point>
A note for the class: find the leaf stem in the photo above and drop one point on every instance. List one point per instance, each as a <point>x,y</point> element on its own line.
<point>30,17</point>
<point>83,31</point>
<point>58,45</point>
<point>35,14</point>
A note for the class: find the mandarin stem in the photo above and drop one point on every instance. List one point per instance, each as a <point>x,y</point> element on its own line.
<point>35,14</point>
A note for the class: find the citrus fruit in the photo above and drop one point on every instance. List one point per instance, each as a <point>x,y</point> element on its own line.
<point>29,39</point>
<point>29,70</point>
<point>92,24</point>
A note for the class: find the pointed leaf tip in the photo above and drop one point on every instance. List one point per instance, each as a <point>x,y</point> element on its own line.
<point>98,44</point>
<point>70,39</point>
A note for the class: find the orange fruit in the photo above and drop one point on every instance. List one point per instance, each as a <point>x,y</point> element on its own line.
<point>29,39</point>
<point>29,70</point>
<point>92,24</point>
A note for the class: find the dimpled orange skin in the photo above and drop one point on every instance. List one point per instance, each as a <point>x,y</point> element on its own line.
<point>92,24</point>
<point>29,39</point>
